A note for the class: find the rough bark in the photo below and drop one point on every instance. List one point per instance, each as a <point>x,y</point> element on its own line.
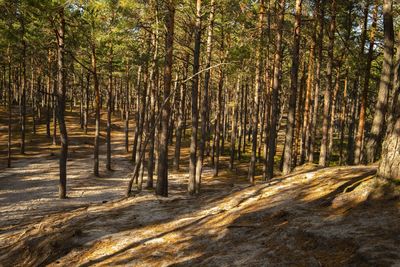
<point>385,84</point>
<point>162,167</point>
<point>364,95</point>
<point>389,166</point>
<point>61,91</point>
<point>320,13</point>
<point>294,74</point>
<point>324,156</point>
<point>275,90</point>
<point>195,113</point>
<point>205,100</point>
<point>257,92</point>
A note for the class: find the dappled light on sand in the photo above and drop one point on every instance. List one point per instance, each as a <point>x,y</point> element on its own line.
<point>330,216</point>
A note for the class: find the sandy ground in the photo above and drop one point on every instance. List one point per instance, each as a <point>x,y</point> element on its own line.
<point>337,216</point>
<point>328,217</point>
<point>29,189</point>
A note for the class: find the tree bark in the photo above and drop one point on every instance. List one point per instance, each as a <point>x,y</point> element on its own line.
<point>385,84</point>
<point>257,92</point>
<point>389,166</point>
<point>97,111</point>
<point>195,116</point>
<point>324,156</point>
<point>275,90</point>
<point>294,73</point>
<point>109,112</point>
<point>205,102</point>
<point>162,167</point>
<point>320,13</point>
<point>61,91</point>
<point>364,95</point>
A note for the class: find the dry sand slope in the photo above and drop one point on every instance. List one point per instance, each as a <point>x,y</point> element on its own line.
<point>314,217</point>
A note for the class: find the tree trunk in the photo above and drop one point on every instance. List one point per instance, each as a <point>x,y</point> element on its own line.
<point>97,110</point>
<point>181,117</point>
<point>9,112</point>
<point>162,171</point>
<point>195,116</point>
<point>376,134</point>
<point>23,96</point>
<point>275,90</point>
<point>294,73</point>
<point>320,13</point>
<point>324,156</point>
<point>205,104</point>
<point>61,90</point>
<point>257,92</point>
<point>389,166</point>
<point>305,136</point>
<point>364,95</point>
<point>109,111</point>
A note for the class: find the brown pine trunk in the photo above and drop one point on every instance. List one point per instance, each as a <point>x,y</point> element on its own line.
<point>324,156</point>
<point>9,112</point>
<point>61,91</point>
<point>54,102</point>
<point>257,92</point>
<point>299,116</point>
<point>294,73</point>
<point>320,13</point>
<point>205,102</point>
<point>333,112</point>
<point>305,136</point>
<point>364,95</point>
<point>23,95</point>
<point>389,166</point>
<point>127,108</point>
<point>109,112</point>
<point>343,118</point>
<point>87,100</point>
<point>275,90</point>
<point>234,115</point>
<point>48,95</point>
<point>195,113</point>
<point>181,117</point>
<point>376,134</point>
<point>218,128</point>
<point>97,110</point>
<point>162,167</point>
<point>137,117</point>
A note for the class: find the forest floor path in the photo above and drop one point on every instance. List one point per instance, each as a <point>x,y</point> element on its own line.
<point>29,189</point>
<point>314,217</point>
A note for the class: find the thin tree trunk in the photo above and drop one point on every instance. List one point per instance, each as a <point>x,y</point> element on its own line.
<point>9,112</point>
<point>288,151</point>
<point>127,108</point>
<point>364,95</point>
<point>109,111</point>
<point>162,171</point>
<point>320,13</point>
<point>195,116</point>
<point>61,91</point>
<point>205,102</point>
<point>333,113</point>
<point>23,96</point>
<point>385,84</point>
<point>324,156</point>
<point>305,136</point>
<point>257,91</point>
<point>275,90</point>
<point>97,110</point>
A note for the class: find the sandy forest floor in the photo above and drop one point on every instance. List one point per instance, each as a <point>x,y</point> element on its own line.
<point>314,217</point>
